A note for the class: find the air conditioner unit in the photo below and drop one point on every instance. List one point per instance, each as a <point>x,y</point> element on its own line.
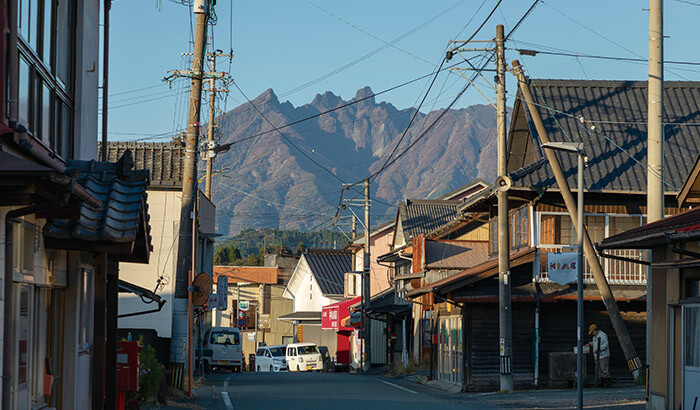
<point>352,285</point>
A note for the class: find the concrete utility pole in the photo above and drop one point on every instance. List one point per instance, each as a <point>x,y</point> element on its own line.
<point>655,147</point>
<point>212,118</point>
<point>505,322</point>
<point>178,342</point>
<point>366,295</point>
<point>601,281</point>
<point>655,133</point>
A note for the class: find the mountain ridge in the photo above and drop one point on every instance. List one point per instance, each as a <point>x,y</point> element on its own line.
<point>294,182</point>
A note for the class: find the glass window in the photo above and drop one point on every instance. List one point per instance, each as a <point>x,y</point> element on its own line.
<point>64,43</point>
<point>595,225</point>
<point>65,147</point>
<point>307,349</point>
<point>519,228</point>
<point>277,351</point>
<point>692,336</point>
<point>225,338</point>
<point>46,41</point>
<point>619,224</point>
<point>85,303</point>
<point>24,90</point>
<point>556,230</point>
<point>46,114</point>
<point>23,334</point>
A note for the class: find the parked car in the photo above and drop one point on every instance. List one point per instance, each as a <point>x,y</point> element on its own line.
<point>304,357</point>
<point>271,359</point>
<point>222,348</point>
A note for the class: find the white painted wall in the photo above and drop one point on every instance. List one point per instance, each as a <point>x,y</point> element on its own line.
<point>304,289</point>
<point>87,74</point>
<point>164,210</point>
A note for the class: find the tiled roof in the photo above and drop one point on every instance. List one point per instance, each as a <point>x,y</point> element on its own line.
<point>247,274</point>
<point>455,254</point>
<point>425,215</point>
<point>329,268</point>
<point>165,160</point>
<point>123,217</point>
<point>618,109</point>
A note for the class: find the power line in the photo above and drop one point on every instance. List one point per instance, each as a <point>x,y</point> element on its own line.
<point>528,52</point>
<point>368,55</point>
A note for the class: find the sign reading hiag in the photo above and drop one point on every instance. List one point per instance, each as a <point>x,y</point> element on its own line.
<point>562,267</point>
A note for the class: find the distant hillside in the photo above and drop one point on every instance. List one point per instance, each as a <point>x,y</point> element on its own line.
<point>249,246</point>
<point>267,182</point>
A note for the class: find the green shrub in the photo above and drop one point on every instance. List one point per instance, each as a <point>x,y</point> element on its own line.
<point>150,373</point>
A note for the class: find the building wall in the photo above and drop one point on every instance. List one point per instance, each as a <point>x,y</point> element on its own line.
<point>164,210</point>
<point>379,244</point>
<point>304,290</point>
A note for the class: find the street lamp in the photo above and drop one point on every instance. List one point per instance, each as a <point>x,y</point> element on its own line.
<point>577,147</point>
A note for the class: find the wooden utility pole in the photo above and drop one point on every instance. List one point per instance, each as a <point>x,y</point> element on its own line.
<point>601,281</point>
<point>366,292</point>
<point>505,322</point>
<point>181,306</point>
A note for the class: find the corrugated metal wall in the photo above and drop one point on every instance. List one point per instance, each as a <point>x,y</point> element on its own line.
<point>378,342</point>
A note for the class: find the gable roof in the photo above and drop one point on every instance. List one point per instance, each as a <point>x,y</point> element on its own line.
<point>329,267</point>
<point>425,215</point>
<point>616,148</point>
<point>165,160</point>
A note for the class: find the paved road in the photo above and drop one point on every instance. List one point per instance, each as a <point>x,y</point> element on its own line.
<point>227,391</point>
<point>320,391</point>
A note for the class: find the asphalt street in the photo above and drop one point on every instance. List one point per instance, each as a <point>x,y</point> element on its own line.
<point>227,391</point>
<point>319,391</point>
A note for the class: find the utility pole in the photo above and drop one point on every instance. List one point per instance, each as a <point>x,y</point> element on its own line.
<point>655,133</point>
<point>211,144</point>
<point>366,295</point>
<point>601,281</point>
<point>181,307</point>
<point>505,322</point>
<point>655,151</point>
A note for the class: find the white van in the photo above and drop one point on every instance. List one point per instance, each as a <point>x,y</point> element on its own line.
<point>271,359</point>
<point>304,356</point>
<point>222,348</point>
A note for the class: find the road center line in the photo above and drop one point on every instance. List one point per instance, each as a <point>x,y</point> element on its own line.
<point>397,386</point>
<point>227,400</point>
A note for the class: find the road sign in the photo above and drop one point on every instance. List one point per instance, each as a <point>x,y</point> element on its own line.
<point>241,315</point>
<point>243,305</point>
<point>241,322</point>
<point>251,336</point>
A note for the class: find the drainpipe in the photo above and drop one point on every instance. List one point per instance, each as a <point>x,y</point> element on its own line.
<point>9,274</point>
<point>537,339</point>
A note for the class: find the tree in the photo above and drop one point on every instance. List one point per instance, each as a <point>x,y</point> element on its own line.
<point>300,249</point>
<point>226,256</point>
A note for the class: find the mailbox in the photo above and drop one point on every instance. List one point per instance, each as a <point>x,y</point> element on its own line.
<point>128,366</point>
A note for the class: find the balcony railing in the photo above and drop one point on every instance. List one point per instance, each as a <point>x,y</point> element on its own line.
<point>616,271</point>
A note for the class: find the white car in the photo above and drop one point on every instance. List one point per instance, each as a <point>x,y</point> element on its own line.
<point>304,357</point>
<point>271,359</point>
<point>222,348</point>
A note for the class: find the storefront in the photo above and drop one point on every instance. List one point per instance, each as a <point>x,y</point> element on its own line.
<point>332,318</point>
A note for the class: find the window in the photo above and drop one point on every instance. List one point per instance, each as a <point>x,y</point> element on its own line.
<point>520,228</point>
<point>595,225</point>
<point>307,349</point>
<point>85,305</point>
<point>619,224</point>
<point>46,52</point>
<point>225,338</point>
<point>23,335</point>
<point>556,230</point>
<point>24,247</point>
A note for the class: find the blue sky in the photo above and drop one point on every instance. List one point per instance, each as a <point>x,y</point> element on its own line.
<point>285,44</point>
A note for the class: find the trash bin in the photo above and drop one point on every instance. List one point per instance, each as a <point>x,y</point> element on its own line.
<point>251,362</point>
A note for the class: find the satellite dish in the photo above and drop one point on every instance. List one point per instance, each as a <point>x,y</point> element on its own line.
<point>202,289</point>
<point>503,183</point>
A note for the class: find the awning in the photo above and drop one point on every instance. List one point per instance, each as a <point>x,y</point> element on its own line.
<point>303,318</point>
<point>333,315</point>
<point>471,275</point>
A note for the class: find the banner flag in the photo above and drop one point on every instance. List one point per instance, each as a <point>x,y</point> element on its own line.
<point>562,267</point>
